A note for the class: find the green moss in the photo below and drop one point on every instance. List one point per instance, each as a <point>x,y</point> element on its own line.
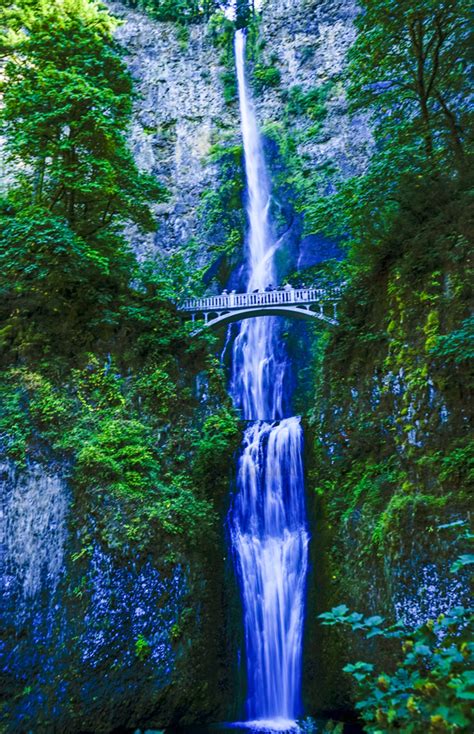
<point>182,34</point>
<point>221,31</point>
<point>221,210</point>
<point>142,648</point>
<point>229,84</point>
<point>311,103</point>
<point>131,446</point>
<point>394,458</point>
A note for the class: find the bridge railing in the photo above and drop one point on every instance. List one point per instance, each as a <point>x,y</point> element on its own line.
<point>261,298</point>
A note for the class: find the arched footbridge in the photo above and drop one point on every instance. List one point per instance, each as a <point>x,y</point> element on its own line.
<point>302,303</point>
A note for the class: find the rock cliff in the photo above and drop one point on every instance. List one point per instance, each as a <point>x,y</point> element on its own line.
<point>183,113</point>
<point>179,110</point>
<point>94,638</point>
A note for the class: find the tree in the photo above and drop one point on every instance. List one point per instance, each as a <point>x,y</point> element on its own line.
<point>67,107</point>
<point>408,70</point>
<point>244,10</point>
<point>410,62</point>
<point>59,294</point>
<point>178,11</point>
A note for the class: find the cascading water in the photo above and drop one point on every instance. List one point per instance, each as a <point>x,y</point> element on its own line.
<point>267,519</point>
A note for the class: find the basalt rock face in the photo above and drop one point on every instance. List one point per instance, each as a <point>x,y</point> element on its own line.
<point>308,41</point>
<point>179,111</point>
<point>181,115</point>
<point>411,580</point>
<point>95,638</point>
<point>182,112</point>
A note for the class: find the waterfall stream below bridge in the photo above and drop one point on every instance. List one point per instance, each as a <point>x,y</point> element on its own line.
<point>267,518</point>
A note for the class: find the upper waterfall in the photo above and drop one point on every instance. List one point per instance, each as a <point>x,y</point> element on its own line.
<point>260,262</point>
<point>258,388</point>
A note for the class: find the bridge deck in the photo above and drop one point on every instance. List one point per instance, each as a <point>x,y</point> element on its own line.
<point>239,301</point>
<point>289,302</point>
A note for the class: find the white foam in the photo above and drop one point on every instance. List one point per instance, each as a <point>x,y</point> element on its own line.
<point>267,726</point>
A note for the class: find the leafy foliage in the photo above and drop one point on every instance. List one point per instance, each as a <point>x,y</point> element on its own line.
<point>244,12</point>
<point>132,446</point>
<point>265,76</point>
<point>407,72</point>
<point>57,290</point>
<point>458,346</point>
<point>177,11</point>
<point>432,687</point>
<point>393,453</point>
<point>222,206</point>
<point>67,105</point>
<point>311,103</point>
<point>394,377</point>
<point>410,60</point>
<point>142,648</point>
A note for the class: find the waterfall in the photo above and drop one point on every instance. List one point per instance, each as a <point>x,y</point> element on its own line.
<point>267,518</point>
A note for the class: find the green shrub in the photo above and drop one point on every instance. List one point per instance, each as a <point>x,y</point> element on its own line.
<point>431,687</point>
<point>221,30</point>
<point>142,648</point>
<point>311,103</point>
<point>265,77</point>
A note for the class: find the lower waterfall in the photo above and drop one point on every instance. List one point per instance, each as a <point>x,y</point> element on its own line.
<point>270,542</point>
<point>267,518</point>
